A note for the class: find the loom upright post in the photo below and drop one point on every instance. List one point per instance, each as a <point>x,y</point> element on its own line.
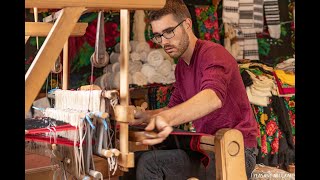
<point>125,160</point>
<point>65,66</point>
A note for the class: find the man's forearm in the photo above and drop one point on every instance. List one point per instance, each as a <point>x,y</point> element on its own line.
<point>196,107</point>
<point>156,111</point>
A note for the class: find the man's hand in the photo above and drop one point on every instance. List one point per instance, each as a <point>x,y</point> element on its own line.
<point>141,117</point>
<point>162,126</point>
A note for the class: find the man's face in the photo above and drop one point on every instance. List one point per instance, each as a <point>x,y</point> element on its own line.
<point>176,45</point>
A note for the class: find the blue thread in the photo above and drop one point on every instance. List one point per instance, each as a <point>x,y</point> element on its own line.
<point>89,121</point>
<point>40,109</point>
<point>105,124</point>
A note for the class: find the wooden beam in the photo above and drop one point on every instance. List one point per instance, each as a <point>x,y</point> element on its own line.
<point>124,159</point>
<point>97,4</point>
<point>48,53</point>
<point>43,29</point>
<point>26,39</point>
<point>65,66</point>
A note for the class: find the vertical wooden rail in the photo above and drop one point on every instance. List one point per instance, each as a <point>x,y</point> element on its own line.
<point>65,67</point>
<point>124,160</point>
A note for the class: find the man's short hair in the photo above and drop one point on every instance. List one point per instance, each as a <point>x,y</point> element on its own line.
<point>177,8</point>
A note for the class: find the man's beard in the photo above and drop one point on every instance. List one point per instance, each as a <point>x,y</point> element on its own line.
<point>181,48</point>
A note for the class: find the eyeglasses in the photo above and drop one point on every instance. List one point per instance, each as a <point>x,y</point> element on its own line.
<point>167,34</point>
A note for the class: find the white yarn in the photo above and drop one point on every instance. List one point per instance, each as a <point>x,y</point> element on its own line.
<point>133,45</point>
<point>114,57</point>
<point>115,67</point>
<point>155,58</point>
<point>106,69</point>
<point>134,56</point>
<point>144,56</point>
<point>107,81</point>
<point>102,80</point>
<point>40,103</point>
<point>142,47</point>
<point>165,55</point>
<point>157,78</point>
<point>164,68</point>
<point>135,66</point>
<point>66,115</point>
<point>139,79</point>
<point>117,48</point>
<point>115,77</point>
<point>148,70</point>
<point>170,78</point>
<point>78,100</point>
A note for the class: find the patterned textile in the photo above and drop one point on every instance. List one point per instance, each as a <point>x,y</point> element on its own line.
<point>207,21</point>
<point>271,10</point>
<point>258,15</point>
<point>246,14</point>
<point>159,95</point>
<point>268,137</point>
<point>230,13</point>
<point>275,149</point>
<point>273,51</point>
<point>250,44</point>
<point>290,104</point>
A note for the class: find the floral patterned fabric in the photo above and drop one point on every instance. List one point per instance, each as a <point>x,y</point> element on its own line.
<point>207,20</point>
<point>268,134</point>
<point>290,105</point>
<point>159,95</point>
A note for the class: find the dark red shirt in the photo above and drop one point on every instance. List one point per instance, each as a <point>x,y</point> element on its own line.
<point>213,67</point>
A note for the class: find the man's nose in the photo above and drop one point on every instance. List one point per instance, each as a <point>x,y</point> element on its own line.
<point>164,41</point>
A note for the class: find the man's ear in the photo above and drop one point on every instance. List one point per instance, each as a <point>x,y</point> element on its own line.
<point>189,23</point>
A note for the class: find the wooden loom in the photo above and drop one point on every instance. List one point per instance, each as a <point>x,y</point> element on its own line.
<point>227,144</point>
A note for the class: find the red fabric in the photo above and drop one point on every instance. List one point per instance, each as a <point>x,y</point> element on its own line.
<point>74,45</point>
<point>111,33</point>
<point>56,129</point>
<point>47,139</point>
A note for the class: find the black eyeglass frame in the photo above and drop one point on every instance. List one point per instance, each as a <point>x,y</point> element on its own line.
<point>163,34</point>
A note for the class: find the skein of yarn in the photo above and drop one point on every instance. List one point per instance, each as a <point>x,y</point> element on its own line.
<point>155,58</point>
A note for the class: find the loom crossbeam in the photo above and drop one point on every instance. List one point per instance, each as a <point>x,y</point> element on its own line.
<point>42,29</point>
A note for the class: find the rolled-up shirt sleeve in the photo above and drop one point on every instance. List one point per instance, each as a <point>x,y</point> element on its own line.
<point>175,97</point>
<point>216,71</point>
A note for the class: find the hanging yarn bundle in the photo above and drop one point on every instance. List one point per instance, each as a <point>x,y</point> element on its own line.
<point>100,57</point>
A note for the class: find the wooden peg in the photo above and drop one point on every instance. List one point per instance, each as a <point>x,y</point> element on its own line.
<point>115,152</point>
<point>106,153</point>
